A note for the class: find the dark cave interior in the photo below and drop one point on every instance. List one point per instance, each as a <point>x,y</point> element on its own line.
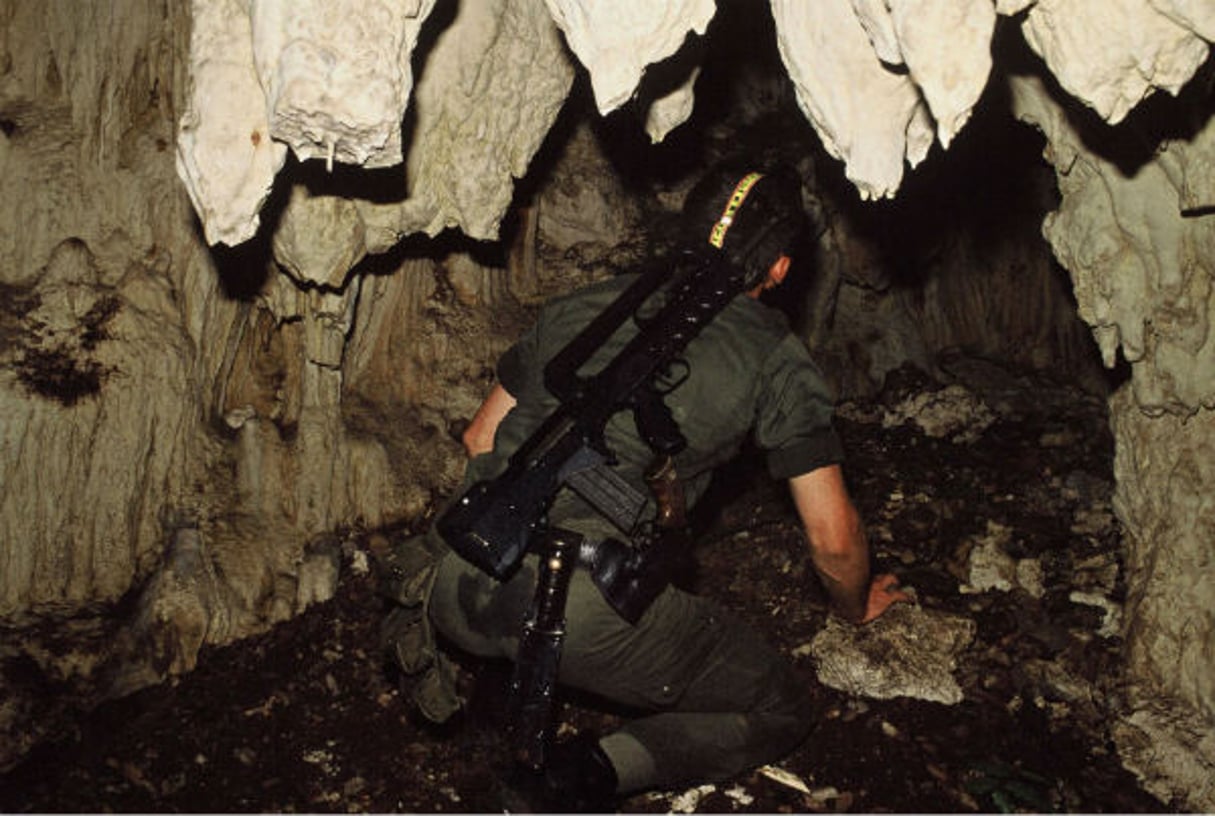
<point>307,718</point>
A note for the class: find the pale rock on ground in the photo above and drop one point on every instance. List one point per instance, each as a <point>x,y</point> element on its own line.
<point>908,652</point>
<point>991,567</point>
<point>952,411</point>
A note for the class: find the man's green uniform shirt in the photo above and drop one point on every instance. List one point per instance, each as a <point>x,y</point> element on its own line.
<point>745,373</point>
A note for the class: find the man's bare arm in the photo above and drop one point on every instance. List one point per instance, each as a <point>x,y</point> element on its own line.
<point>478,437</point>
<point>838,548</point>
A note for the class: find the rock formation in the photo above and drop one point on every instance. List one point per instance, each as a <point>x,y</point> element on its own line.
<point>193,412</point>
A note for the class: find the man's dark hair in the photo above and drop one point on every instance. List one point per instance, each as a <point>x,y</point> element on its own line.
<point>768,223</point>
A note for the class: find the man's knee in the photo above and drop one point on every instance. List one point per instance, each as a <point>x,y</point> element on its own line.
<point>478,613</point>
<point>787,707</point>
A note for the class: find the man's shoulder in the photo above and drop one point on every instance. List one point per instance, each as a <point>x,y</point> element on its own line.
<point>765,323</point>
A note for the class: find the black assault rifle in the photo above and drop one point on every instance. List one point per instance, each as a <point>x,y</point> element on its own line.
<point>492,524</point>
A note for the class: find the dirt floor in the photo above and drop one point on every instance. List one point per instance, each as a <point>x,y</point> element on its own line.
<point>306,718</point>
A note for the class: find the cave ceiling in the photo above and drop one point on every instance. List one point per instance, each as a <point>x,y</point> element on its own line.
<point>334,81</point>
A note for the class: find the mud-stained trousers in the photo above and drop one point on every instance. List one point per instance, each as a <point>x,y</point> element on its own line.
<point>721,700</point>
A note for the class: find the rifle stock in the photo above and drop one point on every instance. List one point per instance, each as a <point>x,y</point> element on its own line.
<point>491,525</point>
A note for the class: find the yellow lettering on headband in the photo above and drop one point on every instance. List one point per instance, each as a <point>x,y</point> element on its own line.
<point>717,236</point>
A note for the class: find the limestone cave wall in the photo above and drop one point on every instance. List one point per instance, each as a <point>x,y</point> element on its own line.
<point>259,258</point>
<point>1135,229</point>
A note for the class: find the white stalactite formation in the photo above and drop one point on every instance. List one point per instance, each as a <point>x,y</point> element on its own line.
<point>225,154</point>
<point>1114,53</point>
<point>336,78</point>
<point>616,41</point>
<point>879,82</point>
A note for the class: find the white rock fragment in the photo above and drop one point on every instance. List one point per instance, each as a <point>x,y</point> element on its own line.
<point>225,155</point>
<point>952,411</point>
<point>336,74</point>
<point>1112,54</point>
<point>785,777</point>
<point>317,579</point>
<point>738,794</point>
<point>865,114</point>
<point>1111,624</point>
<point>991,567</point>
<point>617,40</point>
<point>360,563</point>
<point>821,796</point>
<point>689,800</point>
<point>1030,578</point>
<point>908,652</point>
<point>317,756</point>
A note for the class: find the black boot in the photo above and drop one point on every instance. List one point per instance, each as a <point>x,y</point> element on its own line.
<point>579,777</point>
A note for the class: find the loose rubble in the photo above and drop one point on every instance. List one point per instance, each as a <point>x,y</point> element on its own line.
<point>1016,712</point>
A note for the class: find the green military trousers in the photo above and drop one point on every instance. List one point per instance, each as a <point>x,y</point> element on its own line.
<point>716,698</point>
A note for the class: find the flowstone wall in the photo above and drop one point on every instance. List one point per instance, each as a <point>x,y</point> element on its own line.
<point>191,412</point>
<point>1136,229</point>
<point>184,431</point>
